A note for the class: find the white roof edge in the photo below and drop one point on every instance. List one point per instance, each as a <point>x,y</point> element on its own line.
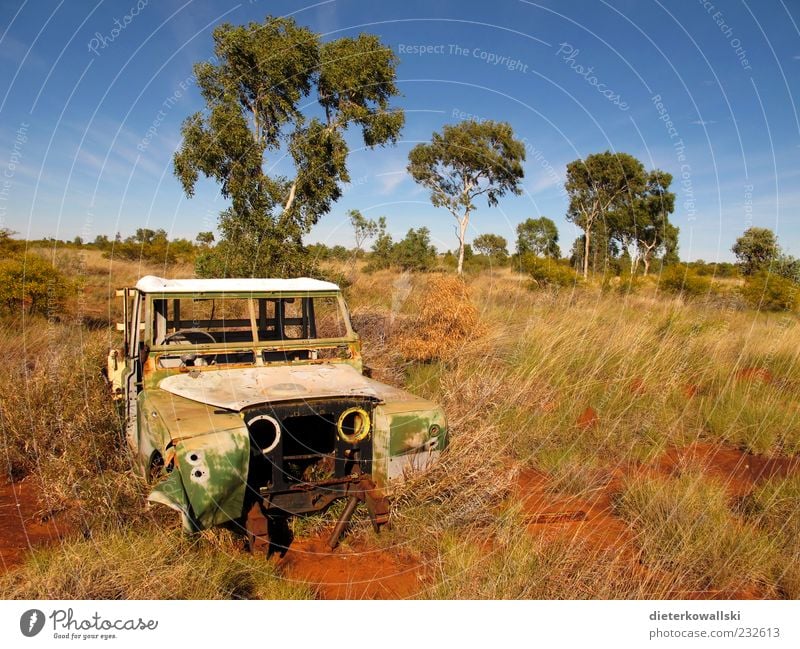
<point>152,284</point>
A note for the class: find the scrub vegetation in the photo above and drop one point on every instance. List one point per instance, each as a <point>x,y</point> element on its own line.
<point>604,443</point>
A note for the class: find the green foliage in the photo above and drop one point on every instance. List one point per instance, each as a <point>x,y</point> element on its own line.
<point>8,245</point>
<point>205,238</point>
<point>415,251</point>
<point>254,105</point>
<point>465,161</point>
<point>539,237</point>
<point>755,249</point>
<point>683,280</point>
<point>548,272</point>
<point>30,282</point>
<point>619,205</point>
<point>646,221</point>
<point>492,245</point>
<point>381,255</point>
<point>601,188</point>
<point>787,266</point>
<point>768,291</point>
<point>721,270</point>
<point>364,228</point>
<point>151,246</point>
<point>322,252</point>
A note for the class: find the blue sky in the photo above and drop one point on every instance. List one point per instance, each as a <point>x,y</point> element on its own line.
<point>90,114</point>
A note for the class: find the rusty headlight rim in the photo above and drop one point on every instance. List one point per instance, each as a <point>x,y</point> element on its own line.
<point>358,435</point>
<point>434,430</point>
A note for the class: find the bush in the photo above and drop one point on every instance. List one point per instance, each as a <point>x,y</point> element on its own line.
<point>548,272</point>
<point>770,292</point>
<point>28,281</point>
<point>683,280</point>
<point>443,320</point>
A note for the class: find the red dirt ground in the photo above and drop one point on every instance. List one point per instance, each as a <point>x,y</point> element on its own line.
<point>20,524</point>
<point>362,571</point>
<point>588,418</point>
<point>754,374</point>
<point>359,572</point>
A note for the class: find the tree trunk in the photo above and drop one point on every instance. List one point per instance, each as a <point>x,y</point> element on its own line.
<point>586,252</point>
<point>462,230</point>
<point>290,200</point>
<point>646,260</point>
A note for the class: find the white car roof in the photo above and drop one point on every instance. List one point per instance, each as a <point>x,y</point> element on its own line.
<point>151,284</point>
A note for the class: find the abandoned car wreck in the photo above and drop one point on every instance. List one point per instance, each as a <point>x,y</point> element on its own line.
<point>246,401</point>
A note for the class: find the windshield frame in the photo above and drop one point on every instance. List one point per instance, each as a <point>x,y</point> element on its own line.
<point>256,344</point>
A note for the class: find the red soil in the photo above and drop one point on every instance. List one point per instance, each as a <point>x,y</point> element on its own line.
<point>360,572</point>
<point>599,528</point>
<point>21,526</point>
<point>591,521</point>
<point>588,418</point>
<point>754,374</point>
<point>739,471</point>
<point>638,386</point>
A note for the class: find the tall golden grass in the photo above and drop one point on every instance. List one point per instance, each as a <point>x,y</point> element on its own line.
<point>516,370</point>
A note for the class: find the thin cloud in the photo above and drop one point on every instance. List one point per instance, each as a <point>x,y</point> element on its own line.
<point>390,180</point>
<point>704,122</point>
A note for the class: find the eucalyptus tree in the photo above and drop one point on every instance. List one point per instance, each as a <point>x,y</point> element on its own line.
<point>599,187</point>
<point>467,160</point>
<point>539,237</point>
<point>755,250</point>
<point>652,230</point>
<point>259,91</point>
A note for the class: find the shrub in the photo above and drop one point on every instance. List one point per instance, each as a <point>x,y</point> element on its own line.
<point>548,272</point>
<point>683,280</point>
<point>29,281</point>
<point>770,292</point>
<point>443,320</point>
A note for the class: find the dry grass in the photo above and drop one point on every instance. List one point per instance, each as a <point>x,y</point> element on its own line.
<point>685,526</point>
<point>660,373</point>
<point>148,562</point>
<point>441,320</point>
<point>514,370</point>
<point>59,426</point>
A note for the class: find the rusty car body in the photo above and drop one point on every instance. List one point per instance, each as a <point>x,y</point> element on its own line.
<point>246,401</point>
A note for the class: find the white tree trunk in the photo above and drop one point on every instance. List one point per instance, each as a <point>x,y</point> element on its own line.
<point>586,251</point>
<point>462,230</point>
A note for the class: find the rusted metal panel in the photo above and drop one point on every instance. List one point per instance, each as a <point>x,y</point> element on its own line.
<point>235,389</point>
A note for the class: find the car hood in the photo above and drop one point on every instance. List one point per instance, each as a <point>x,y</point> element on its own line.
<point>236,389</point>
